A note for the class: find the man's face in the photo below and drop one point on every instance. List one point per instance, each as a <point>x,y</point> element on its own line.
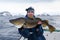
<point>30,13</point>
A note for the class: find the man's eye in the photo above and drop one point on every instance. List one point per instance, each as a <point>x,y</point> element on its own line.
<point>30,11</point>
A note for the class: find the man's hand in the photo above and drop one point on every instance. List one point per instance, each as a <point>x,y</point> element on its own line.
<point>39,22</point>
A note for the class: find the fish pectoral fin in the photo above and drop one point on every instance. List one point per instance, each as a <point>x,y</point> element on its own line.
<point>19,26</point>
<point>44,25</point>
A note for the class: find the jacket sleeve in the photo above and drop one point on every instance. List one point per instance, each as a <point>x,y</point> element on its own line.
<point>40,30</point>
<point>23,32</point>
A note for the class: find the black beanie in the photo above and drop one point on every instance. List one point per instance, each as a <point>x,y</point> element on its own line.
<point>30,9</point>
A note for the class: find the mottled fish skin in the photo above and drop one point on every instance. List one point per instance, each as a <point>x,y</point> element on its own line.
<point>18,21</point>
<point>30,23</point>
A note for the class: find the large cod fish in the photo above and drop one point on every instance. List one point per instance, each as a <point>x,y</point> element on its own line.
<point>30,23</point>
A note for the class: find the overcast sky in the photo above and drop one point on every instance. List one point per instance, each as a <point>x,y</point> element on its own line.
<point>40,6</point>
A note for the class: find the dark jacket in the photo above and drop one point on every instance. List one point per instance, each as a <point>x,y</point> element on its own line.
<point>36,35</point>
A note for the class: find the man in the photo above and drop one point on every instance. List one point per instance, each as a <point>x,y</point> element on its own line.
<point>32,33</point>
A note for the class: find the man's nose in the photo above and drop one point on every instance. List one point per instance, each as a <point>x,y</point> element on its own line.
<point>31,13</point>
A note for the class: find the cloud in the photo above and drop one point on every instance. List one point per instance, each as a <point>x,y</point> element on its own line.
<point>26,1</point>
